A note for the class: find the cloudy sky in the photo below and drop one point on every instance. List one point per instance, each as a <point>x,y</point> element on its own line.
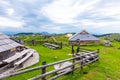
<point>59,16</point>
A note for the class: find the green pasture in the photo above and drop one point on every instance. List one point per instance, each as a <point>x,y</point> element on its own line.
<point>107,68</point>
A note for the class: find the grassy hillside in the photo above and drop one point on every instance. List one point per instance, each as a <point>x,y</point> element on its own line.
<point>30,37</point>
<point>107,68</point>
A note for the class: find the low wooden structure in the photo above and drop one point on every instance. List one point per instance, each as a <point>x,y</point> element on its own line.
<point>107,41</point>
<point>51,46</point>
<point>20,60</point>
<point>24,59</point>
<point>16,56</point>
<point>84,38</point>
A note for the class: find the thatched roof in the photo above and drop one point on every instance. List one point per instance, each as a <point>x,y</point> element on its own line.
<point>6,43</point>
<point>83,36</point>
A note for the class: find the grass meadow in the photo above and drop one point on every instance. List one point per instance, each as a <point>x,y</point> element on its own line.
<point>107,68</point>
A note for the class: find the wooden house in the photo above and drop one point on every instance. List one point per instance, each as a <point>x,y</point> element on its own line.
<point>14,56</point>
<point>8,47</point>
<point>83,38</point>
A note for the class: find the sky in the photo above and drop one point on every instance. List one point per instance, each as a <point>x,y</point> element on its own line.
<point>60,16</point>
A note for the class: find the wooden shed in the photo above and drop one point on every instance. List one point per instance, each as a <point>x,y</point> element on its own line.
<point>7,47</point>
<point>84,38</point>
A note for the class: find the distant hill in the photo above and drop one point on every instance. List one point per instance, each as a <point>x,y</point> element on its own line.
<point>113,36</point>
<point>23,34</point>
<point>9,33</point>
<point>44,33</point>
<point>102,35</point>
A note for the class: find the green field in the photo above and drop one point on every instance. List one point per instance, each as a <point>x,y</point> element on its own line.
<point>107,68</point>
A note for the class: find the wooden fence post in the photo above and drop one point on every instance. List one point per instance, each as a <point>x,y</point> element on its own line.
<point>72,49</point>
<point>73,59</point>
<point>33,42</point>
<point>81,63</point>
<point>44,70</point>
<point>77,50</point>
<point>98,50</point>
<point>61,45</point>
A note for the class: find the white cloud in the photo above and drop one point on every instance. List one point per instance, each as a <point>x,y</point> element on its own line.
<point>6,22</point>
<point>100,13</point>
<point>100,23</point>
<point>51,28</point>
<point>64,15</point>
<point>10,11</point>
<point>65,11</point>
<point>109,10</point>
<point>99,26</point>
<point>46,28</point>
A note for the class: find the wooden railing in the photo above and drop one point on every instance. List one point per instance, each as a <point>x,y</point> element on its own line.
<point>78,59</point>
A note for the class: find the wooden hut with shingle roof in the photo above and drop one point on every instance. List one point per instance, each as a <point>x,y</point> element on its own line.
<point>14,56</point>
<point>7,47</point>
<point>84,38</point>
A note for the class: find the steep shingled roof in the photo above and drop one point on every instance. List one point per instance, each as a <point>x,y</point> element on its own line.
<point>83,36</point>
<point>6,43</point>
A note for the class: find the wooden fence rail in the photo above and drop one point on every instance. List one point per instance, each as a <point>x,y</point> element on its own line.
<point>82,62</point>
<point>57,76</point>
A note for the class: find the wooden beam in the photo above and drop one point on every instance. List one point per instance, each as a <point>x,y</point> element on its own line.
<point>54,71</point>
<point>57,76</point>
<point>36,68</point>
